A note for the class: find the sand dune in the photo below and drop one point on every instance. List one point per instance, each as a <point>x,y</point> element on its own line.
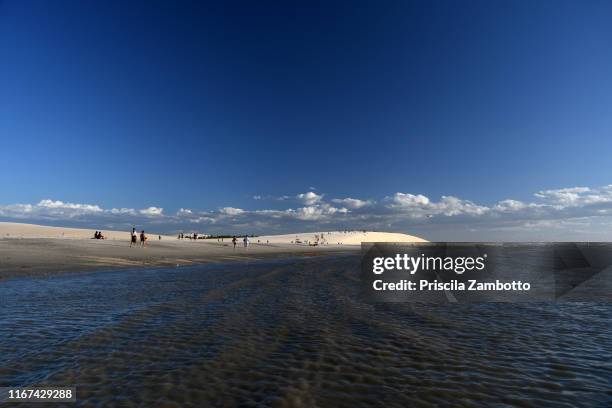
<point>338,237</point>
<point>18,230</point>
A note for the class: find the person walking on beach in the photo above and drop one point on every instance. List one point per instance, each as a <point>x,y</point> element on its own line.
<point>246,241</point>
<point>143,239</point>
<point>133,238</point>
<point>234,240</point>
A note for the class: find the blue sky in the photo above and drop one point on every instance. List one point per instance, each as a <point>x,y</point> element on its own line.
<point>133,105</point>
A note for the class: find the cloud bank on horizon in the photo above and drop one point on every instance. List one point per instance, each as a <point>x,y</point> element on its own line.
<point>576,213</point>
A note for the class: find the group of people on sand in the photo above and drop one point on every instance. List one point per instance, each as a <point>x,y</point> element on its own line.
<point>246,241</point>
<point>195,236</point>
<point>134,238</point>
<point>98,235</point>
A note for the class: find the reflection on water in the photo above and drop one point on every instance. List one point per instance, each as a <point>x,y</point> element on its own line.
<point>293,334</point>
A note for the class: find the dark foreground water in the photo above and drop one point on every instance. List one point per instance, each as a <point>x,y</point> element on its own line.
<point>293,334</point>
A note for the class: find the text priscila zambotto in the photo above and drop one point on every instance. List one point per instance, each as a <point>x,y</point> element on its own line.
<point>489,272</point>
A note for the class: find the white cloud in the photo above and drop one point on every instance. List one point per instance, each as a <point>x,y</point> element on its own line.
<point>308,213</point>
<point>260,197</point>
<point>69,206</point>
<point>353,203</point>
<point>451,206</point>
<point>509,205</point>
<point>315,212</point>
<point>420,205</point>
<point>588,207</point>
<point>231,211</point>
<point>123,211</point>
<point>406,200</point>
<point>205,220</point>
<point>333,210</point>
<point>309,198</point>
<point>576,196</point>
<point>59,210</point>
<point>25,208</point>
<point>152,211</point>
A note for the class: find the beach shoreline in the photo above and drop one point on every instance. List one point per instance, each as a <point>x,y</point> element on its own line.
<point>39,257</point>
<point>30,250</point>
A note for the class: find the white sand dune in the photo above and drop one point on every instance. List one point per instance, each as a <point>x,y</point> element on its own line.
<point>338,238</point>
<point>18,230</point>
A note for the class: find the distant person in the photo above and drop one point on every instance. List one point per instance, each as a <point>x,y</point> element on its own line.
<point>96,235</point>
<point>246,241</point>
<point>159,237</point>
<point>143,239</point>
<point>234,240</point>
<point>133,238</point>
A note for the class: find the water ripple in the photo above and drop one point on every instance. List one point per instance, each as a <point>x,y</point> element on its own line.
<point>293,334</point>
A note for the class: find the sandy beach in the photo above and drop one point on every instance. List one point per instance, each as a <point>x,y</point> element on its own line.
<point>34,250</point>
<point>45,256</point>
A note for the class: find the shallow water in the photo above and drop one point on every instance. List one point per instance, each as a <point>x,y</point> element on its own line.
<point>293,334</point>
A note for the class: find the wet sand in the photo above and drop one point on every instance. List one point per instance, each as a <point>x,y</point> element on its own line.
<point>293,333</point>
<point>21,257</point>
